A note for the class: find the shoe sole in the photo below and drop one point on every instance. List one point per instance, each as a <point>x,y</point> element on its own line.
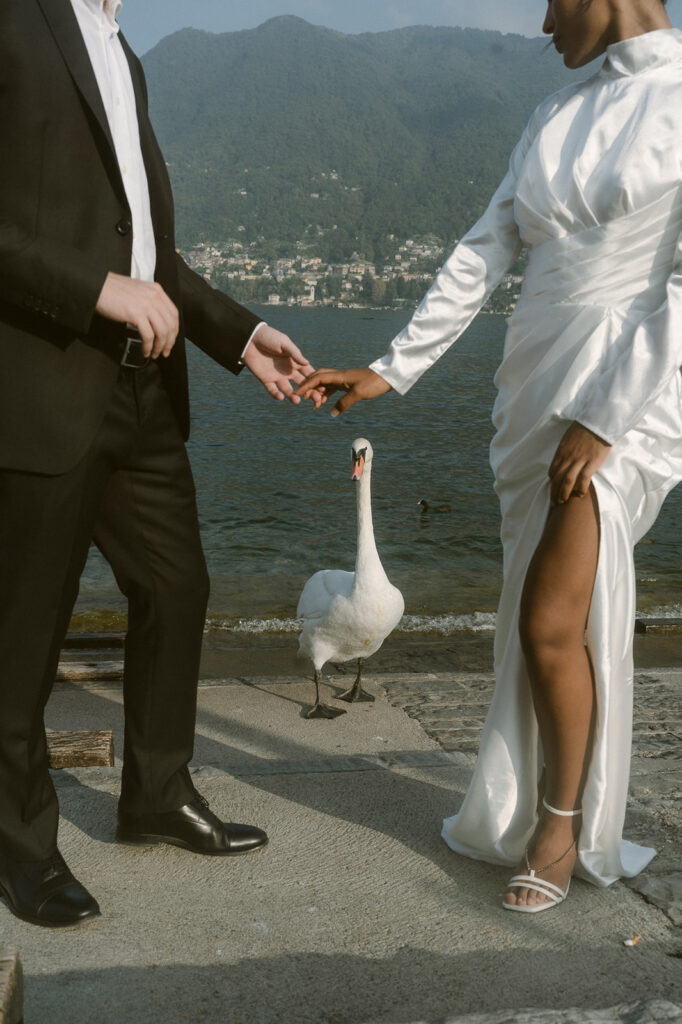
<point>32,919</point>
<point>126,839</point>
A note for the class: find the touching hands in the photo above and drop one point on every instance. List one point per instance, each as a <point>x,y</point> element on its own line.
<point>579,455</point>
<point>273,358</point>
<point>144,305</point>
<point>359,385</point>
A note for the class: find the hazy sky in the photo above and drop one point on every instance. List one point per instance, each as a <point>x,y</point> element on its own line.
<point>147,21</point>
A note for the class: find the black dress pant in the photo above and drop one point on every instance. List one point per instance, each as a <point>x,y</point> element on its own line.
<point>133,494</point>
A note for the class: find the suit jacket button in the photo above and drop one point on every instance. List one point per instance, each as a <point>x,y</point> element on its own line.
<point>124,227</point>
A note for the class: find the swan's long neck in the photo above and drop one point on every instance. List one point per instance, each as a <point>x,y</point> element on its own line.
<point>367,559</point>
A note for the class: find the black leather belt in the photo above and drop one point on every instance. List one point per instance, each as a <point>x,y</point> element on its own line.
<point>132,353</point>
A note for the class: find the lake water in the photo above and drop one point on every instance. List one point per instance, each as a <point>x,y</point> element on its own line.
<point>276,502</point>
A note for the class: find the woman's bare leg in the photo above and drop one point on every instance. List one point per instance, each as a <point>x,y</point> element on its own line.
<point>554,609</point>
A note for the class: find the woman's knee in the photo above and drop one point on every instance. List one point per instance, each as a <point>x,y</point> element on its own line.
<point>546,628</point>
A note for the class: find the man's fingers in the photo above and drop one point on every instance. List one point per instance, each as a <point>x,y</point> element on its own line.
<point>162,338</point>
<point>146,332</point>
<point>273,390</point>
<point>327,379</point>
<point>294,352</point>
<point>166,324</point>
<point>287,391</point>
<point>146,306</point>
<point>300,374</point>
<point>280,389</point>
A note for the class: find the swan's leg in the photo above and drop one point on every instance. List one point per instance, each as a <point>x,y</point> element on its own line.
<point>322,710</point>
<point>356,692</point>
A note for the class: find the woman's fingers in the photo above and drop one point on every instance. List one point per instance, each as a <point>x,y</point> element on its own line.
<point>571,480</point>
<point>324,381</point>
<point>344,404</point>
<point>582,483</point>
<point>359,385</point>
<point>579,455</point>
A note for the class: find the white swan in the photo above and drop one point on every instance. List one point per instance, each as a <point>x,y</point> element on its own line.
<point>349,614</point>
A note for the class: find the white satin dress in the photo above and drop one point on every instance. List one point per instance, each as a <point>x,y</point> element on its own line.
<point>594,190</point>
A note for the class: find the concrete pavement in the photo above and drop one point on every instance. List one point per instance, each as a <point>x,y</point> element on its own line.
<point>356,913</point>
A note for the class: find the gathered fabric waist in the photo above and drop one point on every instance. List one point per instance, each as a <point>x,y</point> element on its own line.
<point>622,264</point>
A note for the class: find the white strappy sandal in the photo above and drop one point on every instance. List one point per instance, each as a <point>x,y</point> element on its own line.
<point>554,894</point>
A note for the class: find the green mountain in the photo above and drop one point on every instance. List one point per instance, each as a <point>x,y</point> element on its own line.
<point>290,131</point>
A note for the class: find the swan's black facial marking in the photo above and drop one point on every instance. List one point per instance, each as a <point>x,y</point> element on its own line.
<point>358,458</point>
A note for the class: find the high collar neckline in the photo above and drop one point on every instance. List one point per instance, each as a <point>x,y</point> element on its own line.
<point>645,52</point>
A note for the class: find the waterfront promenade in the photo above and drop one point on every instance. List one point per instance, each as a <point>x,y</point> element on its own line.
<point>356,913</point>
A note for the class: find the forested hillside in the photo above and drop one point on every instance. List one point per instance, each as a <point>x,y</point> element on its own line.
<point>291,131</point>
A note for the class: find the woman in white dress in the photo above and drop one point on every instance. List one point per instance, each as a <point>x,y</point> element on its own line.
<point>588,438</point>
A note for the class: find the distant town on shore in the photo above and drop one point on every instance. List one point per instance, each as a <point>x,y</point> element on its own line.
<point>257,272</point>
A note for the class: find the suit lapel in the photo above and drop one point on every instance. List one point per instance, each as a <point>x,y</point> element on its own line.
<point>64,25</point>
<point>157,178</point>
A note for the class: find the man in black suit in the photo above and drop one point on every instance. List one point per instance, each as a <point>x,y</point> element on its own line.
<point>94,307</point>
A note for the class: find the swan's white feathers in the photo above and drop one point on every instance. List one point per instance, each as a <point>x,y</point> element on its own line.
<point>351,625</point>
<point>348,615</point>
<point>321,589</point>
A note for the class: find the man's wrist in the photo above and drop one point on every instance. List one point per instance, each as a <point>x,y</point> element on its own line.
<point>254,332</point>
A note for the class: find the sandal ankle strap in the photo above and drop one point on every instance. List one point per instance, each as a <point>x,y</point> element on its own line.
<point>563,814</point>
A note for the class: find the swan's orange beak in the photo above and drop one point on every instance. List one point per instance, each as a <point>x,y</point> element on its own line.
<point>358,466</point>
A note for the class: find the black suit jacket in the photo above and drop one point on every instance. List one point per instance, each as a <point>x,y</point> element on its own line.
<point>64,224</point>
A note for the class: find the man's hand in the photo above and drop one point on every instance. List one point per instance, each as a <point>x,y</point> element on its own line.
<point>273,358</point>
<point>579,455</point>
<point>146,306</point>
<point>359,385</point>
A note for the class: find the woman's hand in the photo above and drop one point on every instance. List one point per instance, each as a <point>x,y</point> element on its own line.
<point>579,455</point>
<point>359,385</point>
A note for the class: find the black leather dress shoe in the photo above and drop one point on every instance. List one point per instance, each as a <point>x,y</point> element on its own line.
<point>45,892</point>
<point>194,827</point>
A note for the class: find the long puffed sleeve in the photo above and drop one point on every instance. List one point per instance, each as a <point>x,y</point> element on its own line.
<point>463,285</point>
<point>623,392</point>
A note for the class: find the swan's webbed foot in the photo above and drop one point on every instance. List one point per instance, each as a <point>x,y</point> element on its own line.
<point>356,694</point>
<point>319,710</point>
<point>324,711</point>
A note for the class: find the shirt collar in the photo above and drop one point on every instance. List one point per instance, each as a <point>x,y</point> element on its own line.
<point>106,10</point>
<point>643,53</point>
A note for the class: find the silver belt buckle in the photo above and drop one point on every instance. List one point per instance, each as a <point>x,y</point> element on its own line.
<point>132,354</point>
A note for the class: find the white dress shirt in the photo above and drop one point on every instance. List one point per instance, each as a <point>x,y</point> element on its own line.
<point>97,20</point>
